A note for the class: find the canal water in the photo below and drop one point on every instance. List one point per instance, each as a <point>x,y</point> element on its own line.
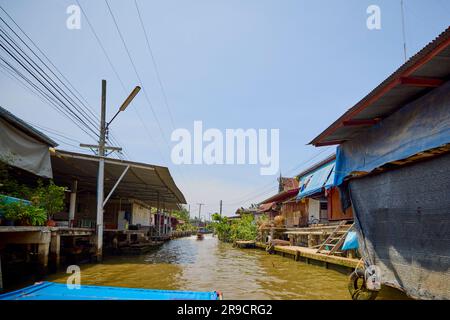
<point>208,265</point>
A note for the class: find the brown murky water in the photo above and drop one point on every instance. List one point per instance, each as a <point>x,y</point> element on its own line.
<point>208,265</point>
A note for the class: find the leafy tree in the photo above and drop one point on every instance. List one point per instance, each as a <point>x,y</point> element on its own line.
<point>50,198</point>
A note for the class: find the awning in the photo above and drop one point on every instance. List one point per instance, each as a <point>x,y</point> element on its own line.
<point>148,183</point>
<point>24,147</point>
<point>317,180</point>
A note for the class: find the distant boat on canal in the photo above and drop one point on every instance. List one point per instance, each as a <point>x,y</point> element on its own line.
<point>201,233</point>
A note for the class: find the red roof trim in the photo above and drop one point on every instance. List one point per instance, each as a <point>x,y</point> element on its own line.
<point>390,83</point>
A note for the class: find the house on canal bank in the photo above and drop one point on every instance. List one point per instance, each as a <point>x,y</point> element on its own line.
<point>392,168</point>
<point>137,206</point>
<point>307,210</point>
<point>310,198</point>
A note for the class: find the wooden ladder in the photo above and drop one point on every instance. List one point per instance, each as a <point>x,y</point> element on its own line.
<point>335,239</point>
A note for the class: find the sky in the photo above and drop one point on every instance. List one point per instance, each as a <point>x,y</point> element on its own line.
<point>292,65</point>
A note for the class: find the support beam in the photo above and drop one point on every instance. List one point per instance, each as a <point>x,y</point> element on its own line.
<point>421,82</point>
<point>329,143</point>
<point>1,275</point>
<point>55,249</point>
<point>42,256</point>
<point>73,201</point>
<point>116,184</point>
<point>361,122</point>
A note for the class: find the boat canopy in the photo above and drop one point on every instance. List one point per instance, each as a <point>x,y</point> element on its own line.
<point>61,291</point>
<point>315,181</point>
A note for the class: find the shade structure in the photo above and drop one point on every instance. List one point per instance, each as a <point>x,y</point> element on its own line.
<point>23,146</point>
<point>60,291</point>
<point>317,180</point>
<point>148,183</point>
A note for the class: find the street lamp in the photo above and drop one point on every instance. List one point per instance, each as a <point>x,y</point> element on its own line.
<point>125,103</point>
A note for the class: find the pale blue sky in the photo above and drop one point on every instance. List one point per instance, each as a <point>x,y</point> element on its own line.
<point>291,65</point>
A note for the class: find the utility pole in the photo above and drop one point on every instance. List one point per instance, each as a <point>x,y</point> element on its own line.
<point>220,210</point>
<point>199,212</point>
<point>101,153</point>
<point>101,174</point>
<point>402,7</point>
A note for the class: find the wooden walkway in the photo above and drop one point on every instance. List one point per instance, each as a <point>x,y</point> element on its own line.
<point>311,254</point>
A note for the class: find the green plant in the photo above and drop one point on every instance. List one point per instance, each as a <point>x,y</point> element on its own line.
<point>244,228</point>
<point>33,216</point>
<point>24,213</point>
<point>221,227</point>
<point>13,210</point>
<point>50,198</point>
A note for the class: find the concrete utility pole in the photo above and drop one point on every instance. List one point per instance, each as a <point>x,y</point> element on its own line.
<point>220,211</point>
<point>101,152</point>
<point>101,174</point>
<point>199,212</point>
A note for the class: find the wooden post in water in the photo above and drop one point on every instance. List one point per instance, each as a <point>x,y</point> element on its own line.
<point>1,275</point>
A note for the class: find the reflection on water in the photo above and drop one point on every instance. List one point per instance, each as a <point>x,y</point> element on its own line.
<point>208,265</point>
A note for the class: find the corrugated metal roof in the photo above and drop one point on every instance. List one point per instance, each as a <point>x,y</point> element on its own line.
<point>145,182</point>
<point>282,196</point>
<point>25,127</point>
<point>316,166</point>
<point>429,68</point>
<point>316,181</point>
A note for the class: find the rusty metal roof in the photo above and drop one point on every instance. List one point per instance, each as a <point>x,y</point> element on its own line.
<point>423,72</point>
<point>282,196</point>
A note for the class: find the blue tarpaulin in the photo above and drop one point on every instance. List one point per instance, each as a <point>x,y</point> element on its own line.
<point>6,199</point>
<point>60,291</point>
<point>421,125</point>
<point>315,181</point>
<point>351,241</point>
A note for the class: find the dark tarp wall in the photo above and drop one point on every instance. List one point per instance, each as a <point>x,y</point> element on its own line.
<point>404,216</point>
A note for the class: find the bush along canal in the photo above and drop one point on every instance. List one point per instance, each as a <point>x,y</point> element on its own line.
<point>208,265</point>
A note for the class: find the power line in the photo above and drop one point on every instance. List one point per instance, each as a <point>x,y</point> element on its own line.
<point>39,92</point>
<point>51,90</point>
<point>105,53</point>
<point>12,44</point>
<point>268,187</point>
<point>140,80</point>
<point>42,80</point>
<point>137,73</point>
<point>155,66</point>
<point>82,106</point>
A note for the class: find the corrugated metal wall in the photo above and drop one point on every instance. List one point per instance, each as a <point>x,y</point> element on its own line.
<point>404,215</point>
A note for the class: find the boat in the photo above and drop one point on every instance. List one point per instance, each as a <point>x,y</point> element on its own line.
<point>60,291</point>
<point>201,233</point>
<point>200,236</point>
